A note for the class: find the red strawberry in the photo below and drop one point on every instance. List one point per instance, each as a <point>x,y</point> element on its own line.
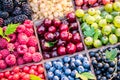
<point>79,2</point>
<point>91,2</point>
<point>105,1</point>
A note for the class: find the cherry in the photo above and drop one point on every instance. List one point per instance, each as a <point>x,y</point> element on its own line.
<point>65,22</point>
<point>64,35</point>
<point>75,31</point>
<point>56,34</point>
<point>47,22</point>
<point>71,48</point>
<point>61,50</point>
<point>54,48</point>
<point>52,29</point>
<point>1,75</point>
<point>49,36</point>
<point>54,54</point>
<point>22,74</point>
<point>85,7</point>
<point>26,69</point>
<point>16,77</point>
<point>41,76</point>
<point>69,37</point>
<point>45,46</point>
<point>41,30</point>
<point>26,77</point>
<point>31,71</point>
<point>74,26</point>
<point>71,17</point>
<point>34,67</point>
<point>40,70</point>
<point>56,22</point>
<point>76,38</point>
<point>16,69</point>
<point>61,43</point>
<point>63,27</point>
<point>46,55</point>
<point>79,46</point>
<point>7,74</point>
<point>10,77</point>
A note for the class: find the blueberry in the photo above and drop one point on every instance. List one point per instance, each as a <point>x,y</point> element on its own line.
<point>54,63</point>
<point>100,65</point>
<point>50,75</point>
<point>78,62</point>
<point>99,58</point>
<point>48,65</point>
<point>92,53</point>
<point>67,71</point>
<point>80,57</point>
<point>104,78</point>
<point>66,59</point>
<point>64,78</point>
<point>111,70</point>
<point>56,78</point>
<point>70,78</point>
<point>63,75</point>
<point>57,72</point>
<point>97,55</point>
<point>119,62</point>
<point>106,66</point>
<point>86,64</point>
<point>94,62</point>
<point>85,59</point>
<point>77,79</point>
<point>72,66</point>
<point>58,65</point>
<point>112,64</point>
<point>52,69</point>
<point>73,73</point>
<point>86,70</point>
<point>108,76</point>
<point>80,69</point>
<point>98,72</point>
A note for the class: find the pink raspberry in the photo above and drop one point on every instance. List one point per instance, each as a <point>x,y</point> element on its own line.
<point>28,24</point>
<point>10,47</point>
<point>0,56</point>
<point>27,57</point>
<point>21,49</point>
<point>20,61</point>
<point>22,38</point>
<point>31,50</point>
<point>32,41</point>
<point>29,31</point>
<point>27,21</point>
<point>3,65</point>
<point>4,53</point>
<point>36,57</point>
<point>10,60</point>
<point>16,44</point>
<point>15,54</point>
<point>12,37</point>
<point>3,43</point>
<point>21,28</point>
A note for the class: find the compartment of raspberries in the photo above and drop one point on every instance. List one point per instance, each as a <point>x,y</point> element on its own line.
<point>14,11</point>
<point>106,63</point>
<point>69,68</point>
<point>86,4</point>
<point>100,26</point>
<point>18,45</point>
<point>59,37</point>
<point>35,72</point>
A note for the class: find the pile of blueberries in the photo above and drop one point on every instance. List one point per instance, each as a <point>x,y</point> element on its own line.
<point>67,67</point>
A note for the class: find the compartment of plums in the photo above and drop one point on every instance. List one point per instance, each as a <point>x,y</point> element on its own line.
<point>59,37</point>
<point>67,67</point>
<point>85,4</point>
<point>106,63</point>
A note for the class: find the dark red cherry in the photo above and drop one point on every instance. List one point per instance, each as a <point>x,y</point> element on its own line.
<point>74,26</point>
<point>57,35</point>
<point>61,50</point>
<point>64,35</point>
<point>47,22</point>
<point>63,27</point>
<point>79,46</point>
<point>49,36</point>
<point>61,43</point>
<point>71,48</point>
<point>56,22</point>
<point>71,17</point>
<point>52,29</point>
<point>76,38</point>
<point>41,30</point>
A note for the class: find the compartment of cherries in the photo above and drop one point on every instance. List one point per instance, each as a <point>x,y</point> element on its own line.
<point>106,63</point>
<point>59,37</point>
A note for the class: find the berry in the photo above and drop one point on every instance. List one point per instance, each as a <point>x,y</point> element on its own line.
<point>67,71</point>
<point>52,29</point>
<point>4,53</point>
<point>21,49</point>
<point>3,43</point>
<point>29,32</point>
<point>36,57</point>
<point>16,77</point>
<point>3,65</point>
<point>71,48</point>
<point>26,69</point>
<point>22,38</point>
<point>64,35</point>
<point>40,70</point>
<point>50,75</point>
<point>12,37</point>
<point>86,64</point>
<point>20,18</point>
<point>66,59</point>
<point>80,69</point>
<point>56,22</point>
<point>21,28</point>
<point>41,29</point>
<point>0,56</point>
<point>31,50</point>
<point>20,61</point>
<point>10,60</point>
<point>71,17</point>
<point>61,50</point>
<point>54,54</point>
<point>26,9</point>
<point>32,41</point>
<point>4,15</point>
<point>79,46</point>
<point>10,47</point>
<point>74,26</point>
<point>76,38</point>
<point>47,22</point>
<point>49,36</point>
<point>27,57</point>
<point>63,27</point>
<point>17,11</point>
<point>7,74</point>
<point>1,21</point>
<point>16,69</point>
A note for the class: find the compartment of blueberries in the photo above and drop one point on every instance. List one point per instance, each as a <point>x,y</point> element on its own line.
<point>67,68</point>
<point>59,37</point>
<point>106,63</point>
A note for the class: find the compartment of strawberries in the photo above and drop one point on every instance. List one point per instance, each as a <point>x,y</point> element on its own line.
<point>59,37</point>
<point>18,45</point>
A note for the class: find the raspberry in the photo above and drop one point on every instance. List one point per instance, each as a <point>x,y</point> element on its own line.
<point>22,38</point>
<point>32,41</point>
<point>21,28</point>
<point>12,37</point>
<point>16,44</point>
<point>15,54</point>
<point>29,31</point>
<point>10,47</point>
<point>27,57</point>
<point>21,49</point>
<point>3,43</point>
<point>4,53</point>
<point>28,24</point>
<point>2,64</point>
<point>10,60</point>
<point>0,56</point>
<point>31,50</point>
<point>36,57</point>
<point>20,61</point>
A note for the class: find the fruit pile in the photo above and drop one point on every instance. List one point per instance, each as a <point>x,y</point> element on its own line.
<point>59,37</point>
<point>100,26</point>
<point>18,45</point>
<point>26,73</point>
<point>67,68</point>
<point>85,4</point>
<point>105,63</point>
<point>14,11</point>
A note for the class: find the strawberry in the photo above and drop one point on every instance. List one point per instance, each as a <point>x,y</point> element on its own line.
<point>79,2</point>
<point>105,1</point>
<point>91,2</point>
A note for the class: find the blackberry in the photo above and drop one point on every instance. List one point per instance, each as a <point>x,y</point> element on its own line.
<point>17,11</point>
<point>26,9</point>
<point>1,21</point>
<point>4,15</point>
<point>20,18</point>
<point>17,3</point>
<point>8,5</point>
<point>8,21</point>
